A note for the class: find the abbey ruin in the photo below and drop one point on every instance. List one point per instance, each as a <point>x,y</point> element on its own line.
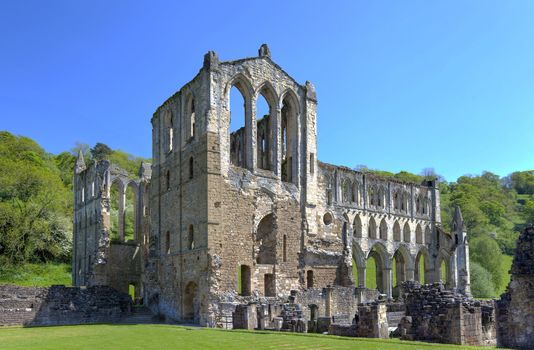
<point>236,228</point>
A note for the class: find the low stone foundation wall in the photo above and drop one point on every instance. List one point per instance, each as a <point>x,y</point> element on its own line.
<point>369,322</point>
<point>434,314</point>
<point>60,305</point>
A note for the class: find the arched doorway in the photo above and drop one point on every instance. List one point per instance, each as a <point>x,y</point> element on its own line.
<point>191,303</point>
<point>421,263</point>
<point>401,261</point>
<point>376,260</point>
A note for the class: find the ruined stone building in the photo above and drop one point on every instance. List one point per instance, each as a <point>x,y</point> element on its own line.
<point>223,217</point>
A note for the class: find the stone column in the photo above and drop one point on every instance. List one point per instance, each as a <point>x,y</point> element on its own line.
<point>250,134</point>
<point>388,282</point>
<point>410,273</point>
<point>122,204</point>
<point>328,301</point>
<point>276,156</point>
<point>361,277</point>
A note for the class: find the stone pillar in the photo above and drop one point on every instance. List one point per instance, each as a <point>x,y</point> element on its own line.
<point>410,273</point>
<point>361,277</point>
<point>250,134</point>
<point>388,282</point>
<point>328,301</point>
<point>276,125</point>
<point>122,205</point>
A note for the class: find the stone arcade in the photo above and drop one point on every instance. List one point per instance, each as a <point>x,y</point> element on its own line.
<point>225,219</point>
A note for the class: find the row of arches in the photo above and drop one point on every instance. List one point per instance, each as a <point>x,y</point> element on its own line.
<point>352,192</point>
<point>272,113</point>
<point>377,269</point>
<point>382,231</point>
<point>123,203</point>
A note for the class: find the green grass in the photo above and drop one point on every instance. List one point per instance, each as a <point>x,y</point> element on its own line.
<point>147,337</point>
<point>39,275</point>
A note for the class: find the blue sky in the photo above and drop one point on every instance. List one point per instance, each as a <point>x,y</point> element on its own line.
<point>402,85</point>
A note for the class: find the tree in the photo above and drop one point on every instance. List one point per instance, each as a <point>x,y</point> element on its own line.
<point>481,282</point>
<point>101,151</point>
<point>485,251</point>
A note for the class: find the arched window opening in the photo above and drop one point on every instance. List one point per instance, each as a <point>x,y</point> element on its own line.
<point>167,242</point>
<point>170,132</point>
<point>92,189</point>
<point>406,233</point>
<point>381,197</point>
<point>372,228</point>
<point>396,201</point>
<point>396,232</point>
<point>346,189</point>
<point>356,193</point>
<point>191,168</point>
<point>263,126</point>
<point>243,287</point>
<point>168,179</point>
<point>309,279</point>
<point>190,237</point>
<point>375,271</point>
<point>428,235</point>
<point>357,226</point>
<point>420,267</point>
<point>284,251</point>
<point>418,234</point>
<point>406,201</point>
<point>237,127</point>
<point>192,119</point>
<point>266,241</point>
<point>288,138</point>
<point>115,212</point>
<point>417,205</point>
<point>383,230</point>
<point>130,233</point>
<point>372,196</point>
<point>83,194</point>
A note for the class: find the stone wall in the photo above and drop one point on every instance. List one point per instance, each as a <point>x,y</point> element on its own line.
<point>59,305</point>
<point>515,309</point>
<point>369,322</point>
<point>435,314</point>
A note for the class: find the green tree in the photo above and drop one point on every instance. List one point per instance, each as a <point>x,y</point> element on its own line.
<point>101,151</point>
<point>485,251</point>
<point>481,282</point>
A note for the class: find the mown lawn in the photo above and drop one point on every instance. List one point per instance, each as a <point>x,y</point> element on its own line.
<point>147,337</point>
<point>38,275</point>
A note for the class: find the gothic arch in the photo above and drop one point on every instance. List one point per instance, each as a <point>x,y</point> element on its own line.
<point>406,233</point>
<point>396,231</point>
<point>384,230</point>
<point>418,234</point>
<point>422,264</point>
<point>371,228</point>
<point>357,226</point>
<point>290,114</point>
<point>266,240</point>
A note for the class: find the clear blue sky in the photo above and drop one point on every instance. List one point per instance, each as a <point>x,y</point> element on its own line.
<point>402,85</point>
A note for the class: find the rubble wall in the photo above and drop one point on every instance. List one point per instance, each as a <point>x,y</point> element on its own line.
<point>59,305</point>
<point>515,309</point>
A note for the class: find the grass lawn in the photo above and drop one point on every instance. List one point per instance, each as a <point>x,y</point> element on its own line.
<point>147,337</point>
<point>39,275</point>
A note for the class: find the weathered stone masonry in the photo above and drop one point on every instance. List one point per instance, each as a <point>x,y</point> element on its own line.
<point>223,218</point>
